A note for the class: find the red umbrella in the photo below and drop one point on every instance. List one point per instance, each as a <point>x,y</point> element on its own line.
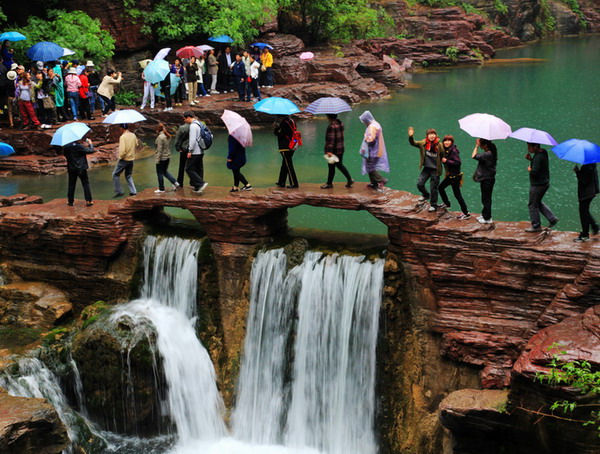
<point>189,52</point>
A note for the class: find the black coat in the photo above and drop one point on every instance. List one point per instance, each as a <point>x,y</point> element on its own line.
<point>284,132</point>
<point>587,182</point>
<point>76,155</point>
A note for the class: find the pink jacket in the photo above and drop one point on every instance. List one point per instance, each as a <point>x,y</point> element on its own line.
<point>73,82</point>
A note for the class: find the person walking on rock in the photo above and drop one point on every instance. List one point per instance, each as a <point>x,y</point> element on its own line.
<point>431,151</point>
<point>485,175</point>
<point>266,58</point>
<point>107,90</point>
<point>127,146</point>
<point>162,157</point>
<point>284,130</point>
<point>25,94</point>
<point>213,70</point>
<point>587,188</point>
<point>77,165</point>
<point>236,159</point>
<point>334,150</point>
<point>182,143</point>
<point>539,182</point>
<point>454,177</point>
<point>238,73</point>
<point>194,165</point>
<point>374,153</point>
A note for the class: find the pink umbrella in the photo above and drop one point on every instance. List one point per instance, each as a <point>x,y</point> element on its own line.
<point>205,47</point>
<point>189,52</point>
<point>307,56</point>
<point>238,127</point>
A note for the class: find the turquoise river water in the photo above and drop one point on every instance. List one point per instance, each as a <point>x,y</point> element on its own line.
<point>557,91</point>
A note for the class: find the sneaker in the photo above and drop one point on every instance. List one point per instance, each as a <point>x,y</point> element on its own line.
<point>326,186</point>
<point>292,186</point>
<point>484,221</point>
<point>533,229</point>
<point>159,191</point>
<point>176,186</point>
<point>166,109</point>
<point>89,204</point>
<point>581,239</point>
<point>553,223</point>
<point>431,208</point>
<point>247,188</point>
<point>423,199</point>
<point>234,190</point>
<point>595,230</point>
<point>463,216</point>
<point>132,193</point>
<point>372,186</point>
<point>207,96</point>
<point>442,205</point>
<point>203,187</point>
<point>350,183</point>
<point>118,194</point>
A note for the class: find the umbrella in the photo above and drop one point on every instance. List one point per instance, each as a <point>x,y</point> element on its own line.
<point>485,126</point>
<point>261,45</point>
<point>276,106</point>
<point>6,149</point>
<point>67,52</point>
<point>189,52</point>
<point>221,39</point>
<point>69,133</point>
<point>156,71</point>
<point>328,106</point>
<point>45,51</point>
<point>238,127</point>
<point>307,56</point>
<point>144,63</point>
<point>162,53</point>
<point>12,36</point>
<point>124,116</point>
<point>533,136</point>
<point>579,151</point>
<point>205,47</point>
<point>174,84</point>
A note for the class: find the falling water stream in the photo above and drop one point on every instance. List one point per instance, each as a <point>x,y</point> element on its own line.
<point>307,378</point>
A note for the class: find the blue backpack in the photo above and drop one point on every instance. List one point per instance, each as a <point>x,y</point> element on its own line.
<point>205,139</point>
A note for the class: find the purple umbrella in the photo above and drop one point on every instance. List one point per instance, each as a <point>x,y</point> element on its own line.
<point>533,136</point>
<point>328,106</point>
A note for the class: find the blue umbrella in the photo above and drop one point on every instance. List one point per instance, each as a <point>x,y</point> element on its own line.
<point>69,133</point>
<point>328,106</point>
<point>261,45</point>
<point>156,71</point>
<point>12,36</point>
<point>276,106</point>
<point>174,84</point>
<point>45,51</point>
<point>6,149</point>
<point>124,116</point>
<point>221,39</point>
<point>579,151</point>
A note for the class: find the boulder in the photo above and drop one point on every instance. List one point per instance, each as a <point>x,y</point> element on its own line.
<point>30,426</point>
<point>283,44</point>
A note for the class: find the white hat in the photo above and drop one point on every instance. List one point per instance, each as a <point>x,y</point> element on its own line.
<point>11,75</point>
<point>89,63</point>
<point>13,66</point>
<point>40,64</point>
<point>73,71</point>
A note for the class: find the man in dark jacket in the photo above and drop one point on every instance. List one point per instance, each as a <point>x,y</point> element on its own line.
<point>539,182</point>
<point>587,188</point>
<point>77,165</point>
<point>225,76</point>
<point>284,131</point>
<point>238,72</point>
<point>182,142</point>
<point>334,146</point>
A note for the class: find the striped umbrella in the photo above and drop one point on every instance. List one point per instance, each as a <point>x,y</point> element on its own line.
<point>328,106</point>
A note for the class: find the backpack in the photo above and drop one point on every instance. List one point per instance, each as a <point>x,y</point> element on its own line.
<point>296,139</point>
<point>205,139</point>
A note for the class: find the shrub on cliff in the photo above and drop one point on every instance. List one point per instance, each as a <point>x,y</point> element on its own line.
<point>74,30</point>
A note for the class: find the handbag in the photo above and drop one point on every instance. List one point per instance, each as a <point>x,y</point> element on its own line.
<point>48,103</point>
<point>263,68</point>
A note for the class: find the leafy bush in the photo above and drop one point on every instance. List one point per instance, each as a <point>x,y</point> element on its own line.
<point>74,30</point>
<point>126,98</point>
<point>452,53</point>
<point>500,6</point>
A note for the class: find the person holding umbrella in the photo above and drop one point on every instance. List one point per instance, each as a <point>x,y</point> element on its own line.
<point>485,175</point>
<point>587,188</point>
<point>284,130</point>
<point>240,137</point>
<point>77,165</point>
<point>539,182</point>
<point>7,55</point>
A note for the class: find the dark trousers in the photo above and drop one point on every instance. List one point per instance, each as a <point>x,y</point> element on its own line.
<point>84,108</point>
<point>248,87</point>
<point>109,104</point>
<point>287,169</point>
<point>85,182</point>
<point>453,181</point>
<point>375,178</point>
<point>340,166</point>
<point>240,87</point>
<point>195,170</point>
<point>179,93</point>
<point>162,173</point>
<point>61,113</point>
<point>536,206</point>
<point>487,187</point>
<point>268,77</point>
<point>182,161</point>
<point>238,178</point>
<point>255,89</point>
<point>586,217</point>
<point>425,175</point>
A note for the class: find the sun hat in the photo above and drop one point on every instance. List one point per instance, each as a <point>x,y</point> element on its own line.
<point>40,64</point>
<point>11,75</point>
<point>73,71</point>
<point>13,66</point>
<point>89,63</point>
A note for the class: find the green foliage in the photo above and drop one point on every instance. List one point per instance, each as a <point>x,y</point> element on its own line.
<point>54,336</point>
<point>92,312</point>
<point>467,7</point>
<point>74,30</point>
<point>3,17</point>
<point>546,22</point>
<point>500,6</point>
<point>574,374</point>
<point>576,8</point>
<point>126,98</point>
<point>452,53</point>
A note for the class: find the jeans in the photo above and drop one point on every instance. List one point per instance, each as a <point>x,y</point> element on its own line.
<point>342,168</point>
<point>92,98</point>
<point>586,217</point>
<point>162,172</point>
<point>487,187</point>
<point>85,182</point>
<point>536,206</point>
<point>287,169</point>
<point>425,175</point>
<point>201,90</point>
<point>453,181</point>
<point>73,102</point>
<point>195,170</point>
<point>238,177</point>
<point>126,166</point>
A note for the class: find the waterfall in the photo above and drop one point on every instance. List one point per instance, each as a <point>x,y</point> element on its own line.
<point>330,405</point>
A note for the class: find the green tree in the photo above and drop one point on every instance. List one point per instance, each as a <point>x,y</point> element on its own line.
<point>74,30</point>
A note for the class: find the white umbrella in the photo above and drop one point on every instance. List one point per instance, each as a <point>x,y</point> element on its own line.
<point>485,126</point>
<point>205,47</point>
<point>124,116</point>
<point>67,52</point>
<point>162,53</point>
